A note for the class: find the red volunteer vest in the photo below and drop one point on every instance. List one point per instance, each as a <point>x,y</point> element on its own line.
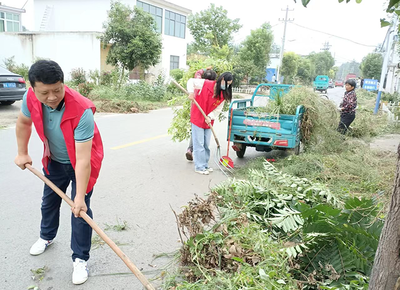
<point>75,105</point>
<point>207,102</point>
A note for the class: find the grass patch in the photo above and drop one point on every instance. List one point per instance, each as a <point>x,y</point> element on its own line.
<point>133,98</point>
<point>39,273</point>
<point>119,226</point>
<point>97,242</point>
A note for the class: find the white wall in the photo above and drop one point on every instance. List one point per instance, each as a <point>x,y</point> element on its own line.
<point>171,46</point>
<point>73,15</point>
<point>69,49</point>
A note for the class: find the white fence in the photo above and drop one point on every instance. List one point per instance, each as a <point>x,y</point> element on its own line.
<point>393,111</point>
<point>243,90</point>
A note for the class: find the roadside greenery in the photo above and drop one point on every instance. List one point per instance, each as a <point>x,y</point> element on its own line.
<point>12,66</point>
<point>297,69</point>
<point>212,30</point>
<point>311,221</point>
<point>111,93</point>
<point>371,66</point>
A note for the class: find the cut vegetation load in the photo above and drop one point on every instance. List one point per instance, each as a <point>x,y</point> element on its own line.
<point>277,231</point>
<point>286,117</point>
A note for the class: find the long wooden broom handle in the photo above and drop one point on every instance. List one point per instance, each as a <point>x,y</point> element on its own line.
<point>96,228</point>
<point>200,109</point>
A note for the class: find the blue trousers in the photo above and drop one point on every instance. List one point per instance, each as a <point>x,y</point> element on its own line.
<point>201,147</point>
<point>81,237</point>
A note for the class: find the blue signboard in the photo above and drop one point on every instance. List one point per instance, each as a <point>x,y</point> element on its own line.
<point>370,85</point>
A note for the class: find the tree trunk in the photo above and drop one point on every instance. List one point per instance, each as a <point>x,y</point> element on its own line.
<point>386,270</point>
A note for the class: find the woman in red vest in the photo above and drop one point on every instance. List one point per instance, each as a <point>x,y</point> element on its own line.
<point>211,96</point>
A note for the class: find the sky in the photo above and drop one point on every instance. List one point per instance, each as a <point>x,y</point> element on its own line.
<point>356,22</point>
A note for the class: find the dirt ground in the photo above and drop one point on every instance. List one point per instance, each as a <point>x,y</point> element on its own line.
<point>386,143</point>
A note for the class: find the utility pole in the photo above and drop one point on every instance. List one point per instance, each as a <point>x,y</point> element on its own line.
<point>327,46</point>
<point>286,20</point>
<point>389,39</point>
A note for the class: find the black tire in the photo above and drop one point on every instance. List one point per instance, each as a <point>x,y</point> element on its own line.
<point>241,152</point>
<point>297,149</point>
<point>7,103</point>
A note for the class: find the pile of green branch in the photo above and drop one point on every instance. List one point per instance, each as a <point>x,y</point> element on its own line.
<point>250,234</point>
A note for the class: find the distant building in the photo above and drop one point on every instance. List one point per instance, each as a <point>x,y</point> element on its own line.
<point>10,19</point>
<point>67,32</point>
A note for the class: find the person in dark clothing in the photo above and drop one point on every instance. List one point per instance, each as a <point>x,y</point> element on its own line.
<point>348,107</point>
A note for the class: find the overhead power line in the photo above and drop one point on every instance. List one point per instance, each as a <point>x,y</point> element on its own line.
<point>312,29</point>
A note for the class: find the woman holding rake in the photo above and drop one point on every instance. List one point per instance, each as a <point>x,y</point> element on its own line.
<point>211,96</point>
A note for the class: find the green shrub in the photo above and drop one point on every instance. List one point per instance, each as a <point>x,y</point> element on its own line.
<point>140,91</point>
<point>94,76</point>
<point>12,66</point>
<point>115,77</point>
<point>78,76</point>
<point>85,88</point>
<point>395,97</point>
<point>177,74</point>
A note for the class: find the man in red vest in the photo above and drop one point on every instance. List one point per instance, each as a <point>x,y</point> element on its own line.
<point>73,152</point>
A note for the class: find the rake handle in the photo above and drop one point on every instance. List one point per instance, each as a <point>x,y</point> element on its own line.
<point>96,228</point>
<point>200,109</point>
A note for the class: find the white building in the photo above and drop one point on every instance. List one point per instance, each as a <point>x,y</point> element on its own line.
<point>67,32</point>
<point>10,19</point>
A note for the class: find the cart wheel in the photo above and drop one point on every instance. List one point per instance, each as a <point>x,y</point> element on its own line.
<point>241,152</point>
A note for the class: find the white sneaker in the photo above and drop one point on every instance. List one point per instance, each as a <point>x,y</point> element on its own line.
<point>204,172</point>
<point>209,169</point>
<point>39,247</point>
<point>81,272</point>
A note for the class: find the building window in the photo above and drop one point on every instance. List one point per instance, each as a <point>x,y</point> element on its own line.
<point>154,11</point>
<point>9,22</point>
<point>174,62</point>
<point>175,24</point>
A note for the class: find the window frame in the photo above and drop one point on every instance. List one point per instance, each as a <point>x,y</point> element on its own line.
<point>158,13</point>
<point>173,61</point>
<point>175,24</point>
<point>9,22</point>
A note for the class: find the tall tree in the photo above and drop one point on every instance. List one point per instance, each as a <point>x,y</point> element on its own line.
<point>371,66</point>
<point>133,38</point>
<point>305,71</point>
<point>212,28</point>
<point>254,54</point>
<point>290,65</point>
<point>347,68</point>
<point>386,271</point>
<point>323,62</point>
